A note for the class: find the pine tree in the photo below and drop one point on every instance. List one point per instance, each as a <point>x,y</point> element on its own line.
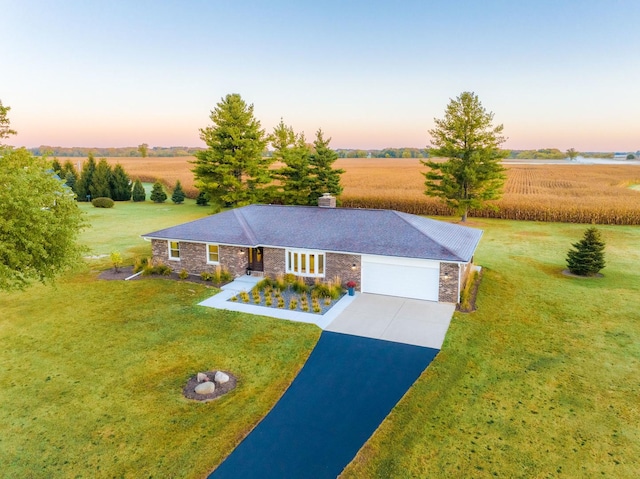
<point>323,177</point>
<point>139,194</point>
<point>157,193</point>
<point>100,186</point>
<point>232,171</point>
<point>472,174</point>
<point>587,257</point>
<point>292,179</point>
<point>178,195</point>
<point>202,199</point>
<point>120,184</point>
<point>86,178</point>
<point>57,167</point>
<point>70,180</point>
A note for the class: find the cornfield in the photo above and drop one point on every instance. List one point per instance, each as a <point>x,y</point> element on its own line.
<point>575,193</point>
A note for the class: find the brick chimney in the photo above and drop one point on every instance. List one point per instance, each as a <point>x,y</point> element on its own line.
<point>327,201</point>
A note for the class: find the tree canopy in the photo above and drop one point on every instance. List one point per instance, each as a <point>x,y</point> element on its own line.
<point>472,173</point>
<point>39,221</point>
<point>5,123</point>
<point>232,170</point>
<point>323,177</point>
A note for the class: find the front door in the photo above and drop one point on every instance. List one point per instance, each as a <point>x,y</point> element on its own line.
<point>256,262</point>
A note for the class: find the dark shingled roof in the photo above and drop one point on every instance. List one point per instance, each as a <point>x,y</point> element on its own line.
<point>348,230</point>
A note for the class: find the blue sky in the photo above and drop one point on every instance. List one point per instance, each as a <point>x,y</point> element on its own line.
<point>371,74</point>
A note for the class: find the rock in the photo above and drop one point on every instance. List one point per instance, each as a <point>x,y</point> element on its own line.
<point>205,388</point>
<point>202,377</point>
<point>221,377</point>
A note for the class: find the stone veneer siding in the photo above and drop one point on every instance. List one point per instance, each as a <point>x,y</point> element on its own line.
<point>340,265</point>
<point>193,257</point>
<point>448,288</point>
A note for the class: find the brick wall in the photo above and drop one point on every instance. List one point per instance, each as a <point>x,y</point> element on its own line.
<point>340,265</point>
<point>448,288</point>
<point>274,261</point>
<point>235,262</point>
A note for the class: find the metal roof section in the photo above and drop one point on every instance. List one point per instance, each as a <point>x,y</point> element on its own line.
<point>348,230</point>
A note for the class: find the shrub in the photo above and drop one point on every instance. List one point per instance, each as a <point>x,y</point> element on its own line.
<point>234,298</point>
<point>140,264</point>
<point>264,284</point>
<point>183,274</point>
<point>202,199</point>
<point>280,302</point>
<point>102,202</point>
<point>466,293</point>
<point>225,275</point>
<point>289,278</point>
<point>158,268</point>
<point>206,276</point>
<point>244,296</point>
<point>116,260</point>
<point>299,286</point>
<point>293,303</point>
<point>321,290</point>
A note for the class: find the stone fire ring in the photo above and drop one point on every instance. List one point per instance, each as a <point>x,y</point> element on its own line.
<point>221,389</point>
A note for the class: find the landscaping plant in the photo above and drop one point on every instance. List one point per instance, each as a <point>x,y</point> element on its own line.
<point>587,256</point>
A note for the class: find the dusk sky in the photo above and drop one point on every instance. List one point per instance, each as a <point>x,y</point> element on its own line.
<point>371,74</point>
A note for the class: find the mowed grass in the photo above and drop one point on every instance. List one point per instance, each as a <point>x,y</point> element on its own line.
<point>541,381</point>
<point>119,228</point>
<point>92,370</point>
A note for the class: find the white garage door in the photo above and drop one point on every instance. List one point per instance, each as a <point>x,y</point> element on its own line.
<point>403,277</point>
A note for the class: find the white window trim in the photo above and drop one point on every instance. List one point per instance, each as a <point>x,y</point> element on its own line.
<point>173,258</point>
<point>206,252</point>
<point>307,253</point>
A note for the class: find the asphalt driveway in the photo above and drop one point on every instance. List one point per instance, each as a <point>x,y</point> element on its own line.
<point>347,387</point>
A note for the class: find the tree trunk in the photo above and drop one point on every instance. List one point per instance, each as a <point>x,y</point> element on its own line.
<point>464,215</point>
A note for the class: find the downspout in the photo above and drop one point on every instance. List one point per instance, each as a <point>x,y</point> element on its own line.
<point>459,281</point>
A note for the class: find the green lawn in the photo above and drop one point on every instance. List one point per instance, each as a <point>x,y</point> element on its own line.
<point>542,381</point>
<point>92,371</point>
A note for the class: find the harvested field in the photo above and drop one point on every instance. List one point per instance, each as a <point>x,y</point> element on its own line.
<point>574,193</point>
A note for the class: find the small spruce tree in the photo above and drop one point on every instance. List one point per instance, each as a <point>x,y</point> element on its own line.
<point>178,193</point>
<point>202,199</point>
<point>587,257</point>
<point>157,193</point>
<point>138,191</point>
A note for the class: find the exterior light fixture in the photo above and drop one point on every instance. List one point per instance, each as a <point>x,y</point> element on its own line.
<point>241,251</point>
<point>353,266</point>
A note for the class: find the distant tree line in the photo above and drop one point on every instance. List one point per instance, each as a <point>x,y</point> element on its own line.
<point>384,153</point>
<point>142,150</point>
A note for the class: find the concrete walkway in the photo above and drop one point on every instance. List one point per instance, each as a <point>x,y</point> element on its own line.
<point>402,320</point>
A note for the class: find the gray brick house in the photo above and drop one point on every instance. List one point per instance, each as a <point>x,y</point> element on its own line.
<point>383,251</point>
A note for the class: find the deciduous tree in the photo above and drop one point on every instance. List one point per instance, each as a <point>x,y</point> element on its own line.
<point>232,171</point>
<point>472,173</point>
<point>5,123</point>
<point>39,222</point>
<point>587,256</point>
<point>572,154</point>
<point>143,149</point>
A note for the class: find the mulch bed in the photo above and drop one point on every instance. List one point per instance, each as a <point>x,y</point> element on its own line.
<point>124,273</point>
<point>221,389</point>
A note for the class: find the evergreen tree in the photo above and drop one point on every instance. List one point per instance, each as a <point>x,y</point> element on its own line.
<point>587,257</point>
<point>57,167</point>
<point>86,178</point>
<point>157,193</point>
<point>178,195</point>
<point>100,186</point>
<point>139,194</point>
<point>232,171</point>
<point>202,199</point>
<point>70,180</point>
<point>292,178</point>
<point>472,173</point>
<point>120,184</point>
<point>323,177</point>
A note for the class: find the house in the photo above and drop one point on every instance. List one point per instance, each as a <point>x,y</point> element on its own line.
<point>383,251</point>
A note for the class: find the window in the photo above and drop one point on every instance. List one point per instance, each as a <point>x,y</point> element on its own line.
<point>174,250</point>
<point>305,263</point>
<point>213,254</point>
